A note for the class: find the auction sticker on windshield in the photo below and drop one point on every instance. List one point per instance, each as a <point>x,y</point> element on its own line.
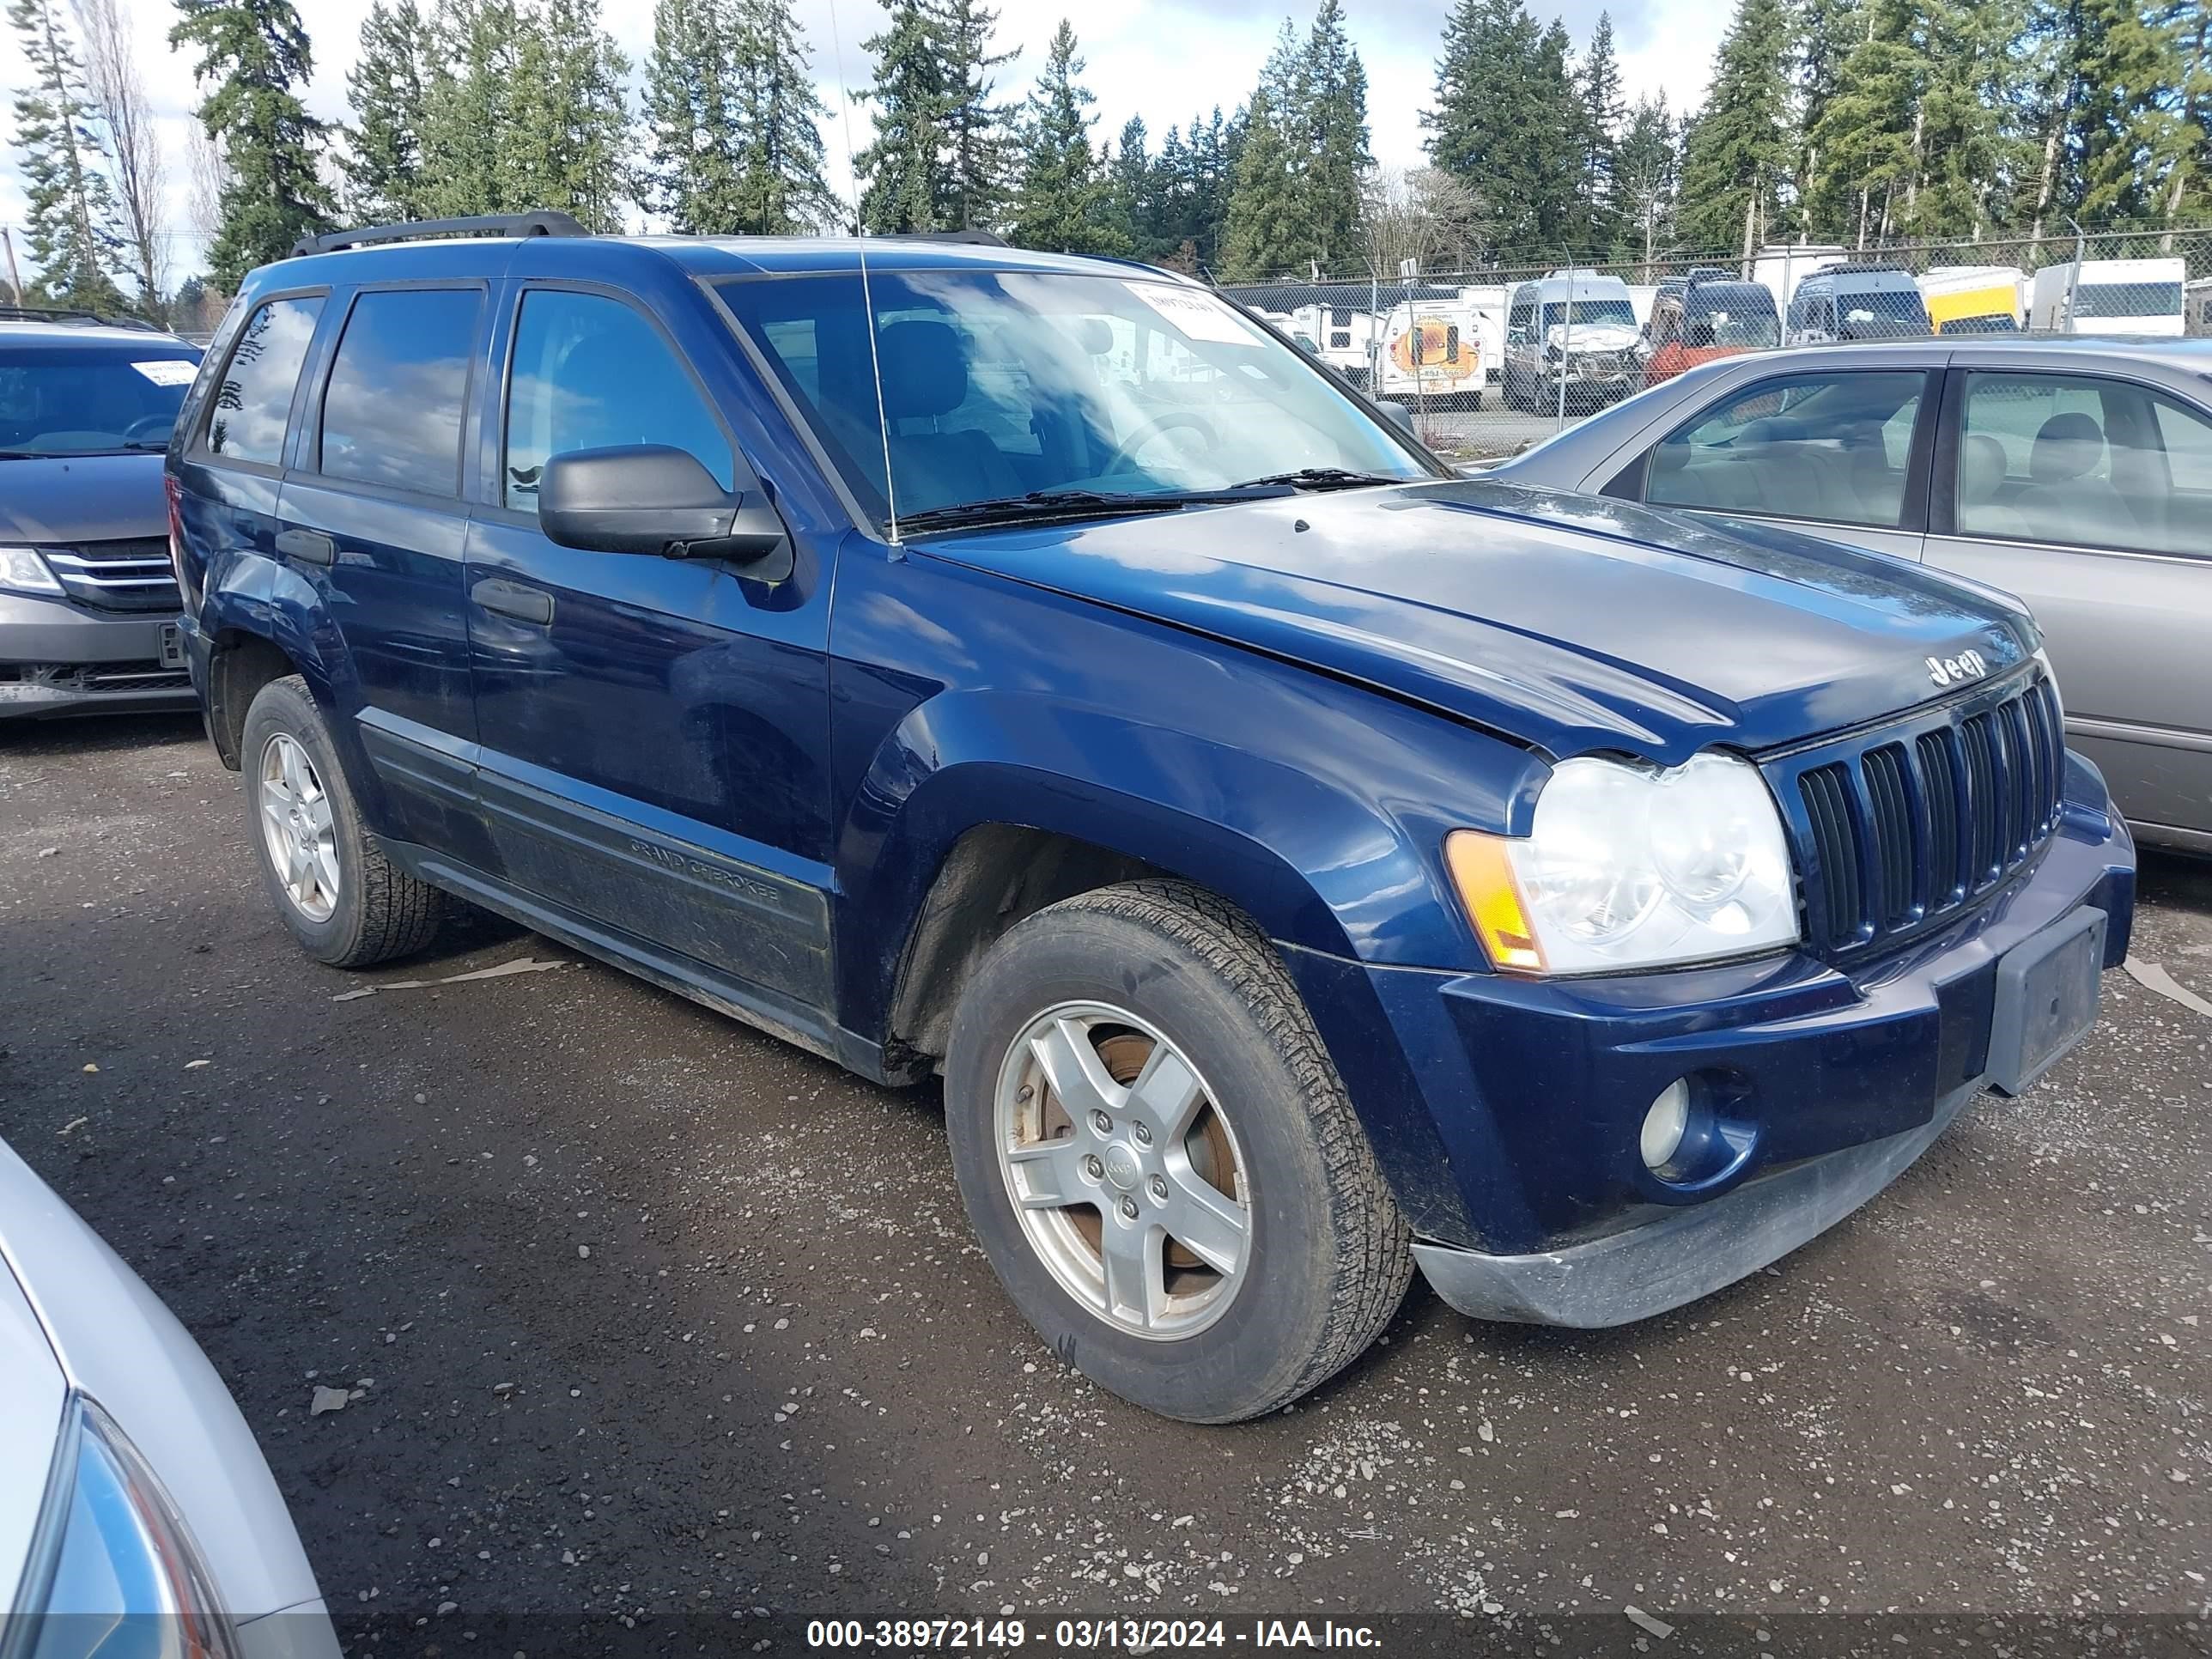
<point>1199,316</point>
<point>168,371</point>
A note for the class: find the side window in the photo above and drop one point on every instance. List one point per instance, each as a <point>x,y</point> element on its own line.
<point>590,372</point>
<point>2091,463</point>
<point>398,389</point>
<point>1833,448</point>
<point>254,399</point>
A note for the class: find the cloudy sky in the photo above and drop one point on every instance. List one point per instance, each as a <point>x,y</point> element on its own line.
<point>1161,58</point>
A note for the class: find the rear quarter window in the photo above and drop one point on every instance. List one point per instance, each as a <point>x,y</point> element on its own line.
<point>254,400</point>
<point>398,389</point>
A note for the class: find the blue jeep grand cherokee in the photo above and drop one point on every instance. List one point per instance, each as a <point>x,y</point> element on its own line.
<point>1300,864</point>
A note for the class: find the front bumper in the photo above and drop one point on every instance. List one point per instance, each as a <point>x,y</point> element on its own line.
<point>1833,1083</point>
<point>57,657</point>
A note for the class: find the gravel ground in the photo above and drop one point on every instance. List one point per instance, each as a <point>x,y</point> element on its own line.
<point>642,1313</point>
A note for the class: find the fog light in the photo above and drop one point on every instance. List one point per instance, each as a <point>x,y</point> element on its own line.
<point>1665,1124</point>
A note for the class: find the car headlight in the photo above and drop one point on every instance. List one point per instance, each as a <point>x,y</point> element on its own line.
<point>1631,866</point>
<point>114,1569</point>
<point>22,571</point>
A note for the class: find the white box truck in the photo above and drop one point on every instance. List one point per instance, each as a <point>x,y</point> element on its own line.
<point>2108,296</point>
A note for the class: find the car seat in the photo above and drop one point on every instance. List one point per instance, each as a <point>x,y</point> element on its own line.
<point>925,378</point>
<point>1982,470</point>
<point>2063,502</point>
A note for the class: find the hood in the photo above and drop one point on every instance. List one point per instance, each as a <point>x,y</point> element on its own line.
<point>83,498</point>
<point>1570,622</point>
<point>1592,336</point>
<point>33,1392</point>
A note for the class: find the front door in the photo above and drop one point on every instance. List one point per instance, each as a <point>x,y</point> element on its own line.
<point>653,730</point>
<point>1840,453</point>
<point>2091,498</point>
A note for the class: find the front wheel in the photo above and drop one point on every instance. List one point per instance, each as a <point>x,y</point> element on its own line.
<point>1160,1160</point>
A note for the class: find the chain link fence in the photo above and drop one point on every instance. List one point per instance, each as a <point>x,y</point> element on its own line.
<point>1493,361</point>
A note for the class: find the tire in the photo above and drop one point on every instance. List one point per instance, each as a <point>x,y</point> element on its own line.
<point>1323,1258</point>
<point>376,912</point>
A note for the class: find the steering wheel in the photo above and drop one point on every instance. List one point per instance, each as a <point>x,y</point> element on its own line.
<point>1124,459</point>
<point>150,426</point>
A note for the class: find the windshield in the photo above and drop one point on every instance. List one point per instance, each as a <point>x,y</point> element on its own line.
<point>1593,311</point>
<point>2128,300</point>
<point>94,401</point>
<point>999,384</point>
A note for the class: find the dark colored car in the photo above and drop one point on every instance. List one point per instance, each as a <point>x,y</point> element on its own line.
<point>1704,317</point>
<point>2075,472</point>
<point>87,598</point>
<point>1300,864</point>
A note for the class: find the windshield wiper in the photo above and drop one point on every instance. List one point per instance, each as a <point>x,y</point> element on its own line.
<point>1065,504</point>
<point>1319,478</point>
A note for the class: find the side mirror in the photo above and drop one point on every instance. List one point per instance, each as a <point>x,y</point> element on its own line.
<point>650,498</point>
<point>1398,414</point>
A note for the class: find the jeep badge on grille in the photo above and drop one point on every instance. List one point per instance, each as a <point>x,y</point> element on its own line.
<point>1956,671</point>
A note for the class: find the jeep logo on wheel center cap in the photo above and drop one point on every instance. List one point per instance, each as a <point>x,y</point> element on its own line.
<point>1122,1168</point>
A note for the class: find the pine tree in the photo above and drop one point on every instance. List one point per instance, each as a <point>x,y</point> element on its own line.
<point>2189,188</point>
<point>691,141</point>
<point>1505,125</point>
<point>1740,150</point>
<point>256,53</point>
<point>1827,32</point>
<point>1561,146</point>
<point>1062,205</point>
<point>474,49</point>
<point>567,147</point>
<point>780,185</point>
<point>1260,235</point>
<point>1864,139</point>
<point>1597,79</point>
<point>1137,193</point>
<point>73,233</point>
<point>903,173</point>
<point>2127,62</point>
<point>1966,151</point>
<point>975,183</point>
<point>383,158</point>
<point>1333,85</point>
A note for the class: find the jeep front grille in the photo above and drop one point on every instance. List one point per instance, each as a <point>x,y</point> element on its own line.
<point>1911,824</point>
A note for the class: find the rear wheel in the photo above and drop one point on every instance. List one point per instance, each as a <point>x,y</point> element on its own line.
<point>344,900</point>
<point>1159,1158</point>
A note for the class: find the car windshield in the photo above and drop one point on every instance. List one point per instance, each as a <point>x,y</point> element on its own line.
<point>1592,311</point>
<point>96,400</point>
<point>1000,385</point>
<point>1735,320</point>
<point>2128,300</point>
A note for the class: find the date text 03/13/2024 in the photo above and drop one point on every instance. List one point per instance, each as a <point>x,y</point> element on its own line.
<point>1006,1635</point>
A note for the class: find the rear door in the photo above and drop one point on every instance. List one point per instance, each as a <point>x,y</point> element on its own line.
<point>373,511</point>
<point>655,731</point>
<point>1839,452</point>
<point>2090,496</point>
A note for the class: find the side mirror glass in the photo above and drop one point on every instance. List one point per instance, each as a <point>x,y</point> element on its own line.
<point>650,498</point>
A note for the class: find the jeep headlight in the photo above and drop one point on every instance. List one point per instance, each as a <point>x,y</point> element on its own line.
<point>1629,867</point>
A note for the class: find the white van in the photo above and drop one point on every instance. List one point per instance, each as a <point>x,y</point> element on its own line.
<point>1571,340</point>
<point>2108,296</point>
<point>1431,352</point>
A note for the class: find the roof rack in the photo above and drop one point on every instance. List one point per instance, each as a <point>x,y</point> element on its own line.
<point>973,238</point>
<point>543,222</point>
<point>71,317</point>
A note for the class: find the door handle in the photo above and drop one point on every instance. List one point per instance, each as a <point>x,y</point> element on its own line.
<point>312,545</point>
<point>515,600</point>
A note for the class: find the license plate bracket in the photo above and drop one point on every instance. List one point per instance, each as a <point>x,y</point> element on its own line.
<point>2047,991</point>
<point>173,646</point>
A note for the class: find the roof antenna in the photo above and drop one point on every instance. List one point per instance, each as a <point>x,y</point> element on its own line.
<point>867,295</point>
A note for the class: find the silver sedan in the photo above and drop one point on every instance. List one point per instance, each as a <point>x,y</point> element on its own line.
<point>137,1514</point>
<point>2073,472</point>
